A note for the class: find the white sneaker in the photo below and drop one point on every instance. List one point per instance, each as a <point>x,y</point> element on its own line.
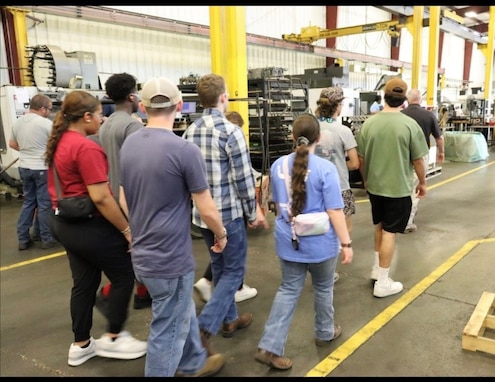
<point>411,228</point>
<point>123,347</point>
<point>203,286</point>
<point>374,273</point>
<point>245,293</point>
<point>389,288</point>
<point>79,355</point>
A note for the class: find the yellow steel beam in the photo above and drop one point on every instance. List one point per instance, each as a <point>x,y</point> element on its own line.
<point>431,91</point>
<point>487,50</point>
<point>311,34</point>
<point>452,15</point>
<point>416,29</point>
<point>236,62</point>
<point>229,54</point>
<point>20,29</point>
<point>217,31</point>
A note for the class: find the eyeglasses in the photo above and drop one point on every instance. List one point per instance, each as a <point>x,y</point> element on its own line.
<point>47,108</point>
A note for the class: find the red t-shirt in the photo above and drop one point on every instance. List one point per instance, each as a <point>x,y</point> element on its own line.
<point>79,162</point>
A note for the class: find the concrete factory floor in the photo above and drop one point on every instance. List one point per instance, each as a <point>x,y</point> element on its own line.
<point>445,267</point>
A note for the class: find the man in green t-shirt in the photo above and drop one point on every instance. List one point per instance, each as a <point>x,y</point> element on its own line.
<point>391,147</point>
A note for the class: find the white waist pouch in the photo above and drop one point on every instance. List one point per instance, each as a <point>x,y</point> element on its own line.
<point>315,223</point>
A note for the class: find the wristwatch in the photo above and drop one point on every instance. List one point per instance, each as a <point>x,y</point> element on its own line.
<point>223,235</point>
<point>348,245</point>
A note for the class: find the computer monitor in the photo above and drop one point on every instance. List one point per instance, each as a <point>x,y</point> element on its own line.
<point>188,108</point>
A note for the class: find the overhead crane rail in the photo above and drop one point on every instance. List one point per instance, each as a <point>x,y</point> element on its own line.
<point>311,34</point>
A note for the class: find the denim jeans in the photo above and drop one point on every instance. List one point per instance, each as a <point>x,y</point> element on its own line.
<point>284,304</point>
<point>35,196</point>
<point>228,270</point>
<point>174,343</point>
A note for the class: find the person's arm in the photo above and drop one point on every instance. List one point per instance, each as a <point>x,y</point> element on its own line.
<point>353,159</point>
<point>440,149</point>
<point>420,169</point>
<point>337,219</point>
<point>123,202</point>
<point>14,145</point>
<point>210,215</point>
<point>107,205</point>
<point>361,171</point>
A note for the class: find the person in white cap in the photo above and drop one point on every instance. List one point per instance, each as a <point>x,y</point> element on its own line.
<point>160,173</point>
<point>391,146</point>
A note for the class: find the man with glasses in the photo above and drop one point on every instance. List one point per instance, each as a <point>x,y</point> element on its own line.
<point>30,136</point>
<point>121,88</point>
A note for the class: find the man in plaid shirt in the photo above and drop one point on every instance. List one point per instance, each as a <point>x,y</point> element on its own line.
<point>233,188</point>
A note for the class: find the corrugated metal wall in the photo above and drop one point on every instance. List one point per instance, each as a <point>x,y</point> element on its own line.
<point>147,53</point>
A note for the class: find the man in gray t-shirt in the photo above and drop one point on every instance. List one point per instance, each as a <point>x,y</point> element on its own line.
<point>122,89</point>
<point>29,136</point>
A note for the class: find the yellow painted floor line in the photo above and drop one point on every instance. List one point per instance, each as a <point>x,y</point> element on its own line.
<point>444,181</point>
<point>36,260</point>
<point>334,359</point>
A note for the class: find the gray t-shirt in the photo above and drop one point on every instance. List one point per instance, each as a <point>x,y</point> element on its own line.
<point>335,140</point>
<point>112,134</point>
<point>160,170</point>
<point>31,132</point>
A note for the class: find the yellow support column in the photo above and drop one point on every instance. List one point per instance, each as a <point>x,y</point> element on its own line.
<point>20,30</point>
<point>229,55</point>
<point>487,50</point>
<point>431,94</point>
<point>416,30</point>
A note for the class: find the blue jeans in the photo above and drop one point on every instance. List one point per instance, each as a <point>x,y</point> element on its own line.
<point>284,304</point>
<point>228,270</point>
<point>174,343</point>
<point>35,196</point>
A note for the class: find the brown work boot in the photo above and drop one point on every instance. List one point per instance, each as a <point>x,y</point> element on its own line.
<point>205,341</point>
<point>213,365</point>
<point>272,360</point>
<point>242,321</point>
<point>337,331</point>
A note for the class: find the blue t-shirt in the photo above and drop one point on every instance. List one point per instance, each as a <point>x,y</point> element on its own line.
<point>159,171</point>
<point>323,193</point>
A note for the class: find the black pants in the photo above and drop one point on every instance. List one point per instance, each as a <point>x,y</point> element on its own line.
<point>94,246</point>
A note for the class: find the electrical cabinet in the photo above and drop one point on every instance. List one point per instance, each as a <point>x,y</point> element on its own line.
<point>276,102</point>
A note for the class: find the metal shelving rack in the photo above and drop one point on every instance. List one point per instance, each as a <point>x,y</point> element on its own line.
<point>282,99</point>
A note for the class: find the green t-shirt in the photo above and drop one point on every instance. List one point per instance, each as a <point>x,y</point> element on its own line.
<point>389,142</point>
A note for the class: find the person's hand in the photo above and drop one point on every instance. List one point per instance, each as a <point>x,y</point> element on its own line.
<point>128,237</point>
<point>421,191</point>
<point>219,245</point>
<point>346,254</point>
<point>260,222</point>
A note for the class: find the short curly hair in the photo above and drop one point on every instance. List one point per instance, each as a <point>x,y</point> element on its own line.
<point>119,86</point>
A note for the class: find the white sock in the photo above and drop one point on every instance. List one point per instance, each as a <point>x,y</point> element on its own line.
<point>382,275</point>
<point>377,259</point>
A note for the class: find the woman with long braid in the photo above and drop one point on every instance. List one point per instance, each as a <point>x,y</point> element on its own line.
<point>315,188</point>
<point>93,245</point>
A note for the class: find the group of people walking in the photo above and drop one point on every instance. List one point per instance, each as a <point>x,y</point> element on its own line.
<point>142,179</point>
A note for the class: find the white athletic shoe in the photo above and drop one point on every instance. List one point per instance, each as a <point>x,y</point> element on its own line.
<point>203,286</point>
<point>245,293</point>
<point>79,355</point>
<point>389,288</point>
<point>123,347</point>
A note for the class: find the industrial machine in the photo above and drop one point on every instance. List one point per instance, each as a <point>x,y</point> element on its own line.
<point>54,73</point>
